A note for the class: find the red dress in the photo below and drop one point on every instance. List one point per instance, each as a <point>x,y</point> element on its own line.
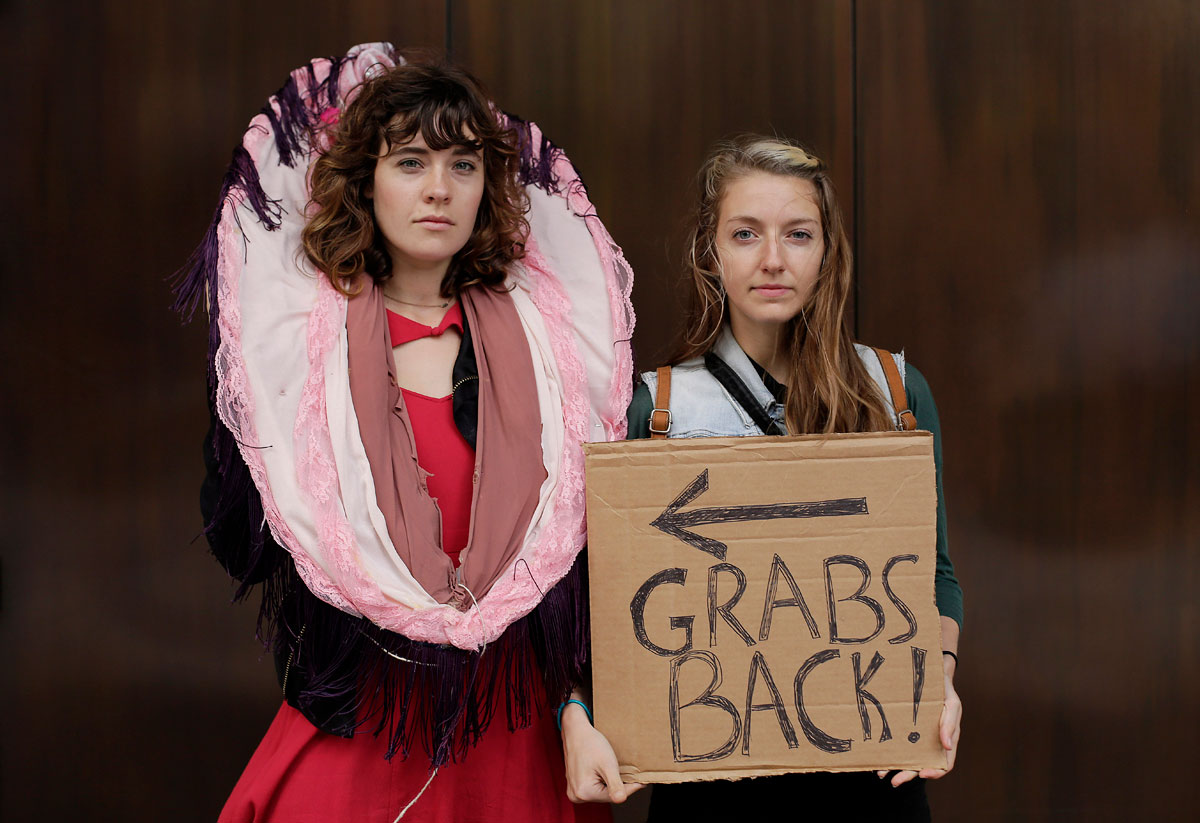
<point>300,774</point>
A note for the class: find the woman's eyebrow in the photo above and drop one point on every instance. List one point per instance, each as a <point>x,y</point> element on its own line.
<point>742,218</point>
<point>752,219</point>
<point>755,221</point>
<point>422,151</point>
<point>409,149</point>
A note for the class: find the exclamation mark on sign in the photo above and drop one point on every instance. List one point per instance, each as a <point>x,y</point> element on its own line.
<point>918,666</point>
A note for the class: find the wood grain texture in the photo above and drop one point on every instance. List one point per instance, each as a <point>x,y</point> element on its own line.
<point>1029,184</point>
<point>134,690</point>
<point>637,93</point>
<point>1026,176</point>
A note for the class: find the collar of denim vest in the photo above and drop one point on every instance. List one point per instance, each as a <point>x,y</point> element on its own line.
<point>727,349</point>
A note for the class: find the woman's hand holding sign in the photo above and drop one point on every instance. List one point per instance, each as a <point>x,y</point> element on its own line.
<point>592,772</point>
<point>950,726</point>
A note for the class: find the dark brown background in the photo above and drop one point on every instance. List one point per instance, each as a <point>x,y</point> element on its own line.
<point>1024,180</point>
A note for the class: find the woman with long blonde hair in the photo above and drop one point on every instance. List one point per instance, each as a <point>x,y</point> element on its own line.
<point>768,350</point>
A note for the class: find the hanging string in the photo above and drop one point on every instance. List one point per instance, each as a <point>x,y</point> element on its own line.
<point>392,654</point>
<point>529,572</point>
<point>487,628</point>
<point>404,811</point>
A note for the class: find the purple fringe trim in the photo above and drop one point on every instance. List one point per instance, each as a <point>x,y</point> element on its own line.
<point>292,129</point>
<point>196,282</point>
<point>537,171</point>
<point>299,112</point>
<point>238,492</point>
<point>357,677</point>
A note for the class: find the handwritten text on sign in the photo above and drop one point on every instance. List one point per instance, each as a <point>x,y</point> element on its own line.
<point>783,580</point>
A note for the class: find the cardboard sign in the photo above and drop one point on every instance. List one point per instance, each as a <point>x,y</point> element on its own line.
<point>765,605</point>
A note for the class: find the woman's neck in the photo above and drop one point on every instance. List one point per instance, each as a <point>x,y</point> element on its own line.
<point>765,346</point>
<point>415,290</point>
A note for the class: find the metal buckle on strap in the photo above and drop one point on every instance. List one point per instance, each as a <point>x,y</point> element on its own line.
<point>660,430</point>
<point>903,424</point>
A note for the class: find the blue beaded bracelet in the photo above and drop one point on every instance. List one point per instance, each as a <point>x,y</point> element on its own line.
<point>563,705</point>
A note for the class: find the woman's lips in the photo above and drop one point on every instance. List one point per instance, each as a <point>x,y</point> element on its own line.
<point>772,290</point>
<point>436,223</point>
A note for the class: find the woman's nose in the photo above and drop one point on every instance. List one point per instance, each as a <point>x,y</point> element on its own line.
<point>772,260</point>
<point>437,185</point>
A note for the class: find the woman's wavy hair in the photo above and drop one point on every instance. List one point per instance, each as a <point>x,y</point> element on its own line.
<point>449,108</point>
<point>829,389</point>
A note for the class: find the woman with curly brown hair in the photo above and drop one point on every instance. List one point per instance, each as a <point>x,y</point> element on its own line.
<point>416,321</point>
<point>768,350</point>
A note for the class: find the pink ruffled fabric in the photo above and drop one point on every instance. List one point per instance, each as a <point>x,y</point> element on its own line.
<point>332,566</point>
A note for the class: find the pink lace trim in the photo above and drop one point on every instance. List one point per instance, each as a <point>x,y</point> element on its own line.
<point>235,402</point>
<point>619,280</point>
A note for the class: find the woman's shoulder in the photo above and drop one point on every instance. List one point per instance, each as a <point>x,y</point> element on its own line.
<point>644,392</point>
<point>916,387</point>
<point>913,379</point>
<point>689,365</point>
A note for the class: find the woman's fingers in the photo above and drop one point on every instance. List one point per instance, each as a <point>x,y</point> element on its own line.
<point>592,772</point>
<point>612,779</point>
<point>949,730</point>
<point>950,727</point>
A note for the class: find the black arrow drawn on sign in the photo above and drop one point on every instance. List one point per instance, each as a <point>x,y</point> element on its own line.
<point>678,524</point>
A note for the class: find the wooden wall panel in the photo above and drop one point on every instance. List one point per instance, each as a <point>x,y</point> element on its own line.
<point>637,92</point>
<point>132,690</point>
<point>1026,177</point>
<point>1029,185</point>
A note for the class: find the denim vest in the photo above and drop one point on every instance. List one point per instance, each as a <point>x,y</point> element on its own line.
<point>700,406</point>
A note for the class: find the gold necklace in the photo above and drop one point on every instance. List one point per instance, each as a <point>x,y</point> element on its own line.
<point>419,305</point>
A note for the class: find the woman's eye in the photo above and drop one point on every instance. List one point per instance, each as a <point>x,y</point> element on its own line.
<point>464,165</point>
<point>409,163</point>
<point>743,234</point>
<point>802,234</point>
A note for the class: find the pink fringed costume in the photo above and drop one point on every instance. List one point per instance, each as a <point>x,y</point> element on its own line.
<point>314,491</point>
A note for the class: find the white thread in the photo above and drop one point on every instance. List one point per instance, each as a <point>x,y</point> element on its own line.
<point>404,811</point>
<point>390,653</point>
<point>486,627</point>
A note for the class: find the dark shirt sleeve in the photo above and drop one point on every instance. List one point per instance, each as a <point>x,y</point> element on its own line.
<point>638,414</point>
<point>946,588</point>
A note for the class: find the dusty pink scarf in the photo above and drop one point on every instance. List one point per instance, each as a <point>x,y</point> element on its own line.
<point>508,454</point>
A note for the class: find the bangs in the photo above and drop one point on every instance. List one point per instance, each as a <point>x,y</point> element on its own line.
<point>443,124</point>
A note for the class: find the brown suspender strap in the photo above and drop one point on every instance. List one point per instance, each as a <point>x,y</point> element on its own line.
<point>660,418</point>
<point>906,420</point>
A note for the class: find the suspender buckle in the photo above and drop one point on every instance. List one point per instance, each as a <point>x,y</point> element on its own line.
<point>660,421</point>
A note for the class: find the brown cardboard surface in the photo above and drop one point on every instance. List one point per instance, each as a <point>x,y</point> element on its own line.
<point>691,681</point>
